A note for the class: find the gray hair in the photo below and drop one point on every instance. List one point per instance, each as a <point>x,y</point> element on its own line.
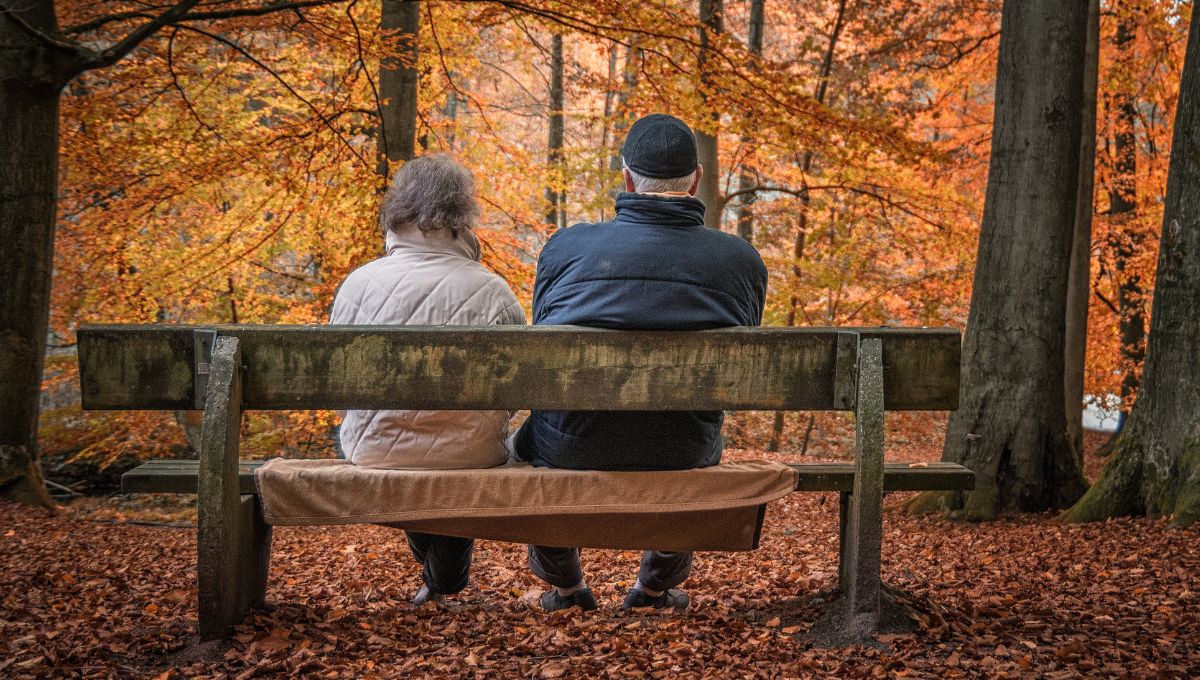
<point>648,185</point>
<point>430,192</point>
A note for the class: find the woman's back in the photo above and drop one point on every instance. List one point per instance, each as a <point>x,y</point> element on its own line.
<point>426,278</point>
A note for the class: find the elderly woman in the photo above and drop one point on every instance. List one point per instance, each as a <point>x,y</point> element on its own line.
<point>431,275</point>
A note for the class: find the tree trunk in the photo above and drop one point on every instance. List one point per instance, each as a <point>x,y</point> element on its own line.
<point>400,21</point>
<point>1155,469</point>
<point>451,112</point>
<point>1079,277</point>
<point>30,85</point>
<point>754,42</point>
<point>709,192</point>
<point>554,155</point>
<point>1010,427</point>
<point>806,162</point>
<point>1124,235</point>
<point>629,81</point>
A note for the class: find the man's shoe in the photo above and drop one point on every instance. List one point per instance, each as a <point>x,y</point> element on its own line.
<point>639,599</point>
<point>426,595</point>
<point>582,598</point>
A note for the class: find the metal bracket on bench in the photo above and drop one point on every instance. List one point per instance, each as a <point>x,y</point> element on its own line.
<point>203,342</point>
<point>845,371</point>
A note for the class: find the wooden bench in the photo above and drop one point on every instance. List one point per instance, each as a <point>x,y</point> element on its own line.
<point>226,369</point>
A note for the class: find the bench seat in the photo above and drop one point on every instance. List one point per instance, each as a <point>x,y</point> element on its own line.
<point>180,476</point>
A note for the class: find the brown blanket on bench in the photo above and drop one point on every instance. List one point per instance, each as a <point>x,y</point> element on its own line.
<point>715,508</point>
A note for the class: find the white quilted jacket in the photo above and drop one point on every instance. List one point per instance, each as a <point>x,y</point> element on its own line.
<point>426,279</point>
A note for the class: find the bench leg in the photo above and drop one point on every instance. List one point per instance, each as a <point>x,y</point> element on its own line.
<point>862,511</point>
<point>843,540</point>
<point>255,550</point>
<point>233,543</point>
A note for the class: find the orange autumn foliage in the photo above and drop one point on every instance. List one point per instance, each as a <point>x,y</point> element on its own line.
<point>226,172</point>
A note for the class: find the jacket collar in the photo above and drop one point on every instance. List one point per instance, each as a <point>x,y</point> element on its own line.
<point>441,241</point>
<point>670,211</point>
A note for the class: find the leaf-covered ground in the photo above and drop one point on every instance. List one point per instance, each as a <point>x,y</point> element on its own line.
<point>89,593</point>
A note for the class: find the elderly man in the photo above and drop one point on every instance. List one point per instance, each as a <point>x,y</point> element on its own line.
<point>654,266</point>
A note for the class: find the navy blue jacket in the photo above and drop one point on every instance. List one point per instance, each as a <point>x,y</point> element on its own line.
<point>654,267</point>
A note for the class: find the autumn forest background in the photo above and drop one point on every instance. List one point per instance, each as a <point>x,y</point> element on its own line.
<point>229,172</point>
<point>226,166</point>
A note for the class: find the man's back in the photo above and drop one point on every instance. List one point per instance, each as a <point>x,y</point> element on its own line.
<point>654,267</point>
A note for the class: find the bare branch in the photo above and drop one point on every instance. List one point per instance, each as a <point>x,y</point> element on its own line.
<point>211,15</point>
<point>38,34</point>
<point>118,51</point>
<point>257,62</point>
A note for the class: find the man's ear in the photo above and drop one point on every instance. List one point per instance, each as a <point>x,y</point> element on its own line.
<point>696,184</point>
<point>628,180</point>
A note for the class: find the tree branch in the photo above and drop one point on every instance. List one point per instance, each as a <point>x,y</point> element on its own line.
<point>211,15</point>
<point>38,34</point>
<point>118,51</point>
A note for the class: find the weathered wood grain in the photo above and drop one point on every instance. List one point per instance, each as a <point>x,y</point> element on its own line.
<point>179,476</point>
<point>232,542</point>
<point>546,367</point>
<point>863,529</point>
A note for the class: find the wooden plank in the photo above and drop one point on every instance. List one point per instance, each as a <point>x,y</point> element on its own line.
<point>558,367</point>
<point>845,369</point>
<point>179,476</point>
<point>150,368</point>
<point>170,476</point>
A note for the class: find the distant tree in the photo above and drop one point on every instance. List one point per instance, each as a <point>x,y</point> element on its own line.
<point>554,155</point>
<point>712,26</point>
<point>754,43</point>
<point>1155,469</point>
<point>1010,426</point>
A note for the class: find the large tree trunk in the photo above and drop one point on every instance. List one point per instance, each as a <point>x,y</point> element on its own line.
<point>554,154</point>
<point>745,213</point>
<point>1155,469</point>
<point>1124,236</point>
<point>400,22</point>
<point>1010,427</point>
<point>709,192</point>
<point>30,86</point>
<point>1079,277</point>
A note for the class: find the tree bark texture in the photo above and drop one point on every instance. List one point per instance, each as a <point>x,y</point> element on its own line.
<point>1010,427</point>
<point>745,211</point>
<point>1079,277</point>
<point>31,81</point>
<point>554,155</point>
<point>1125,239</point>
<point>709,191</point>
<point>1155,468</point>
<point>400,20</point>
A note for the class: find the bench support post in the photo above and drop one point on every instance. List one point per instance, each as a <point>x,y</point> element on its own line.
<point>861,511</point>
<point>233,543</point>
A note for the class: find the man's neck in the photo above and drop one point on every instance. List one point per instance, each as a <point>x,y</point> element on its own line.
<point>666,194</point>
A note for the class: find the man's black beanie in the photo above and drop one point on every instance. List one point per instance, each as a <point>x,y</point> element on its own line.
<point>660,146</point>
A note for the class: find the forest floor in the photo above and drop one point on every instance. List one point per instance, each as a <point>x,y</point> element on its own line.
<point>92,592</point>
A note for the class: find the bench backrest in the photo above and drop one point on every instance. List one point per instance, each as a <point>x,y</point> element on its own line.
<point>548,367</point>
